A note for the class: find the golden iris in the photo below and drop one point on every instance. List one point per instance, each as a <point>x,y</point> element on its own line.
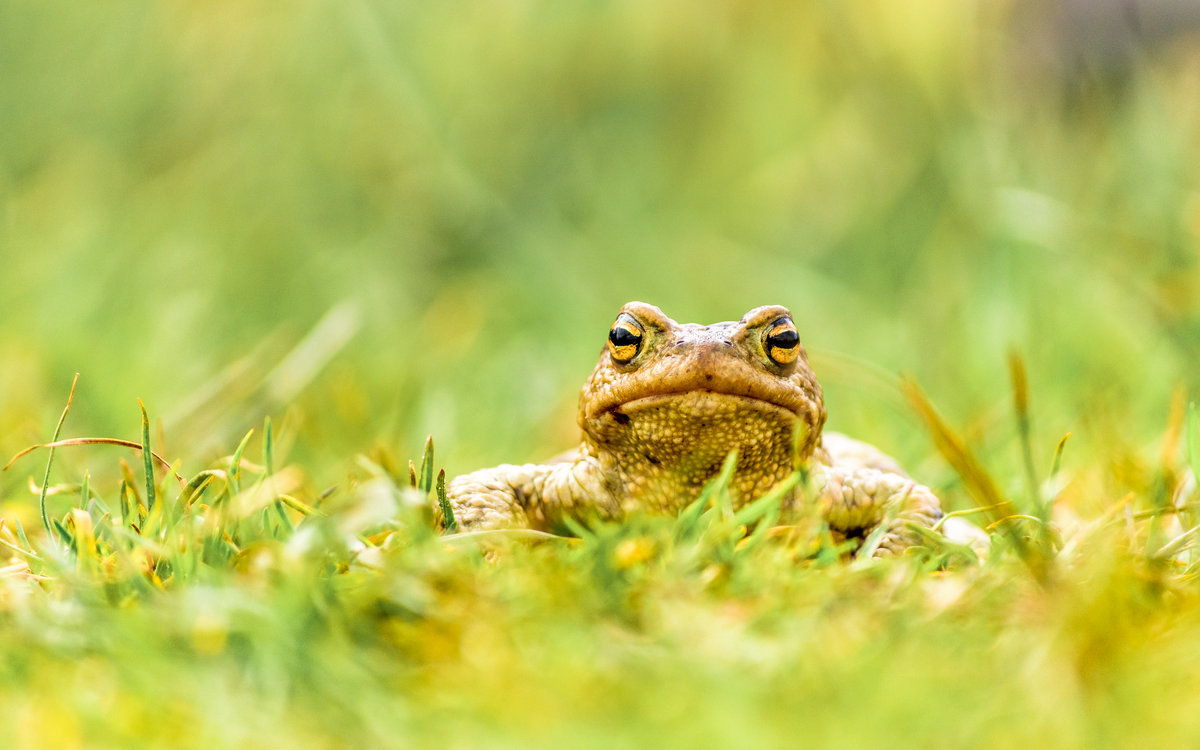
<point>782,342</point>
<point>625,338</point>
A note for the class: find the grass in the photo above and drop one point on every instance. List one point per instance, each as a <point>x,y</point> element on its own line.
<point>242,607</point>
<point>307,238</point>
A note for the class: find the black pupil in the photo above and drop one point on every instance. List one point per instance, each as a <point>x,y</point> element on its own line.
<point>622,336</point>
<point>784,339</point>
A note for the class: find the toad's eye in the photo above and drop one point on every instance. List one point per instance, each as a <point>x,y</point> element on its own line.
<point>625,338</point>
<point>782,342</point>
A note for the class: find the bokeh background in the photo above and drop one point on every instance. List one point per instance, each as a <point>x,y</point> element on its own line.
<point>375,221</point>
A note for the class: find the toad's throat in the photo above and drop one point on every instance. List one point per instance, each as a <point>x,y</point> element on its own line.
<point>701,426</point>
<point>666,446</point>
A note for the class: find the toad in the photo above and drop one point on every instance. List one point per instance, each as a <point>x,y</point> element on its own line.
<point>664,407</point>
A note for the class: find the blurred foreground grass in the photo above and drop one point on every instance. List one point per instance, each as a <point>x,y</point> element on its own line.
<point>222,610</point>
<point>376,221</point>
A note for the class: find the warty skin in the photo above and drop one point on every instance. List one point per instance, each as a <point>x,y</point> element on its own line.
<point>664,406</point>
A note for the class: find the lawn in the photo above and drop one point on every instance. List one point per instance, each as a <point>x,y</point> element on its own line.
<point>307,237</point>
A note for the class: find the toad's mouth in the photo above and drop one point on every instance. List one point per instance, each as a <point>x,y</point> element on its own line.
<point>701,403</point>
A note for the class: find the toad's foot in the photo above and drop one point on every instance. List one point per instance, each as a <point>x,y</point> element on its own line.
<point>528,496</point>
<point>857,501</point>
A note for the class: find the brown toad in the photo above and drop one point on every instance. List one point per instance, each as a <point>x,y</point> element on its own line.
<point>667,402</point>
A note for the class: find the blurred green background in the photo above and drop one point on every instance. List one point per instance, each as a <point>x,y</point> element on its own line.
<point>376,221</point>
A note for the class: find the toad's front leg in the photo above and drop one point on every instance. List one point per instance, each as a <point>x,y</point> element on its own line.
<point>529,495</point>
<point>856,501</point>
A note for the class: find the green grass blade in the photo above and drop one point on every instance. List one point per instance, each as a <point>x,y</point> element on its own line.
<point>689,518</point>
<point>21,533</point>
<point>63,533</point>
<point>871,543</point>
<point>1020,384</point>
<point>147,458</point>
<point>301,507</point>
<point>281,516</point>
<point>198,485</point>
<point>426,484</point>
<point>576,527</point>
<point>269,468</point>
<point>975,478</point>
<point>1056,464</point>
<point>763,506</point>
<point>20,551</point>
<point>50,459</point>
<point>444,504</point>
<point>235,465</point>
<point>268,447</point>
<point>96,506</point>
